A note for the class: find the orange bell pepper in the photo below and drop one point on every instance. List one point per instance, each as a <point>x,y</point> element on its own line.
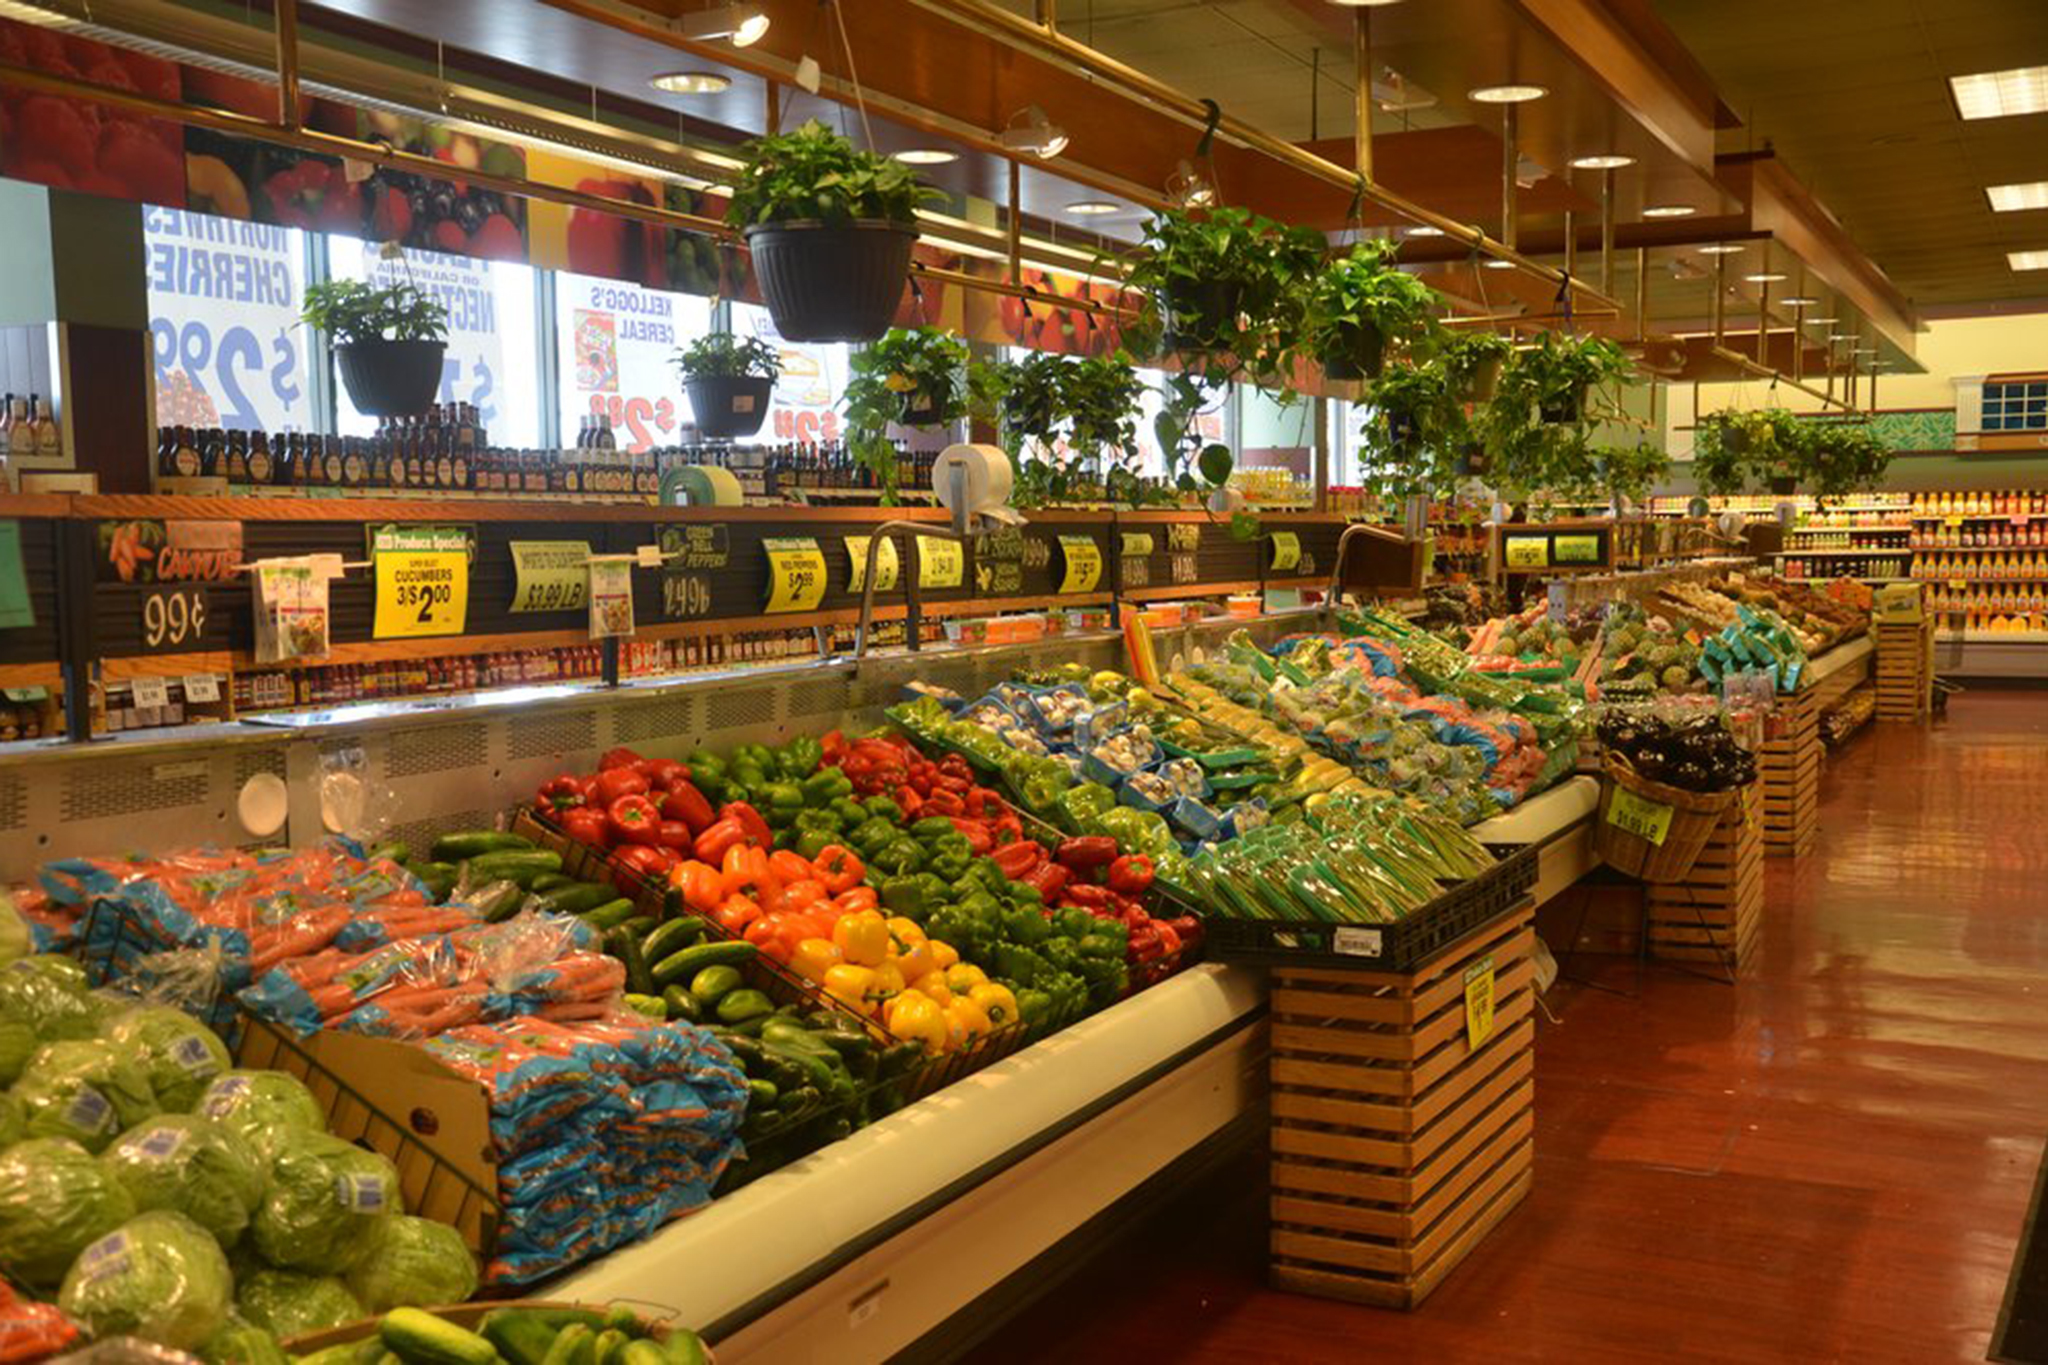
<point>838,868</point>
<point>944,954</point>
<point>735,913</point>
<point>851,985</point>
<point>863,937</point>
<point>914,960</point>
<point>859,898</point>
<point>915,1018</point>
<point>797,895</point>
<point>933,984</point>
<point>746,866</point>
<point>889,981</point>
<point>701,884</point>
<point>788,867</point>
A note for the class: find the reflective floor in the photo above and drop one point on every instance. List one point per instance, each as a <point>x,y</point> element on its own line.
<point>1828,1161</point>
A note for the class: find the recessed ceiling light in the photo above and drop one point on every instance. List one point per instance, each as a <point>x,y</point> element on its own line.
<point>691,82</point>
<point>1998,94</point>
<point>2027,260</point>
<point>1669,211</point>
<point>1424,230</point>
<point>1822,322</point>
<point>1765,277</point>
<point>1364,4</point>
<point>1498,265</point>
<point>1601,163</point>
<point>926,156</point>
<point>2013,198</point>
<point>1799,302</point>
<point>1840,336</point>
<point>1507,94</point>
<point>1721,249</point>
<point>1091,208</point>
<point>742,24</point>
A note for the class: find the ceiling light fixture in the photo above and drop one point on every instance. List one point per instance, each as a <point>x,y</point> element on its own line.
<point>1188,188</point>
<point>1612,162</point>
<point>1091,208</point>
<point>1764,277</point>
<point>1669,211</point>
<point>1801,302</point>
<point>2027,260</point>
<point>1364,4</point>
<point>2013,198</point>
<point>1840,336</point>
<point>742,24</point>
<point>925,156</point>
<point>1423,230</point>
<point>2000,94</point>
<point>691,82</point>
<point>1506,94</point>
<point>1498,264</point>
<point>1722,249</point>
<point>1822,322</point>
<point>1031,131</point>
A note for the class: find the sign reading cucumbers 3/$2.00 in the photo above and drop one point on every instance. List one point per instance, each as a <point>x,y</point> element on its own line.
<point>1083,564</point>
<point>888,565</point>
<point>940,563</point>
<point>552,575</point>
<point>422,578</point>
<point>796,574</point>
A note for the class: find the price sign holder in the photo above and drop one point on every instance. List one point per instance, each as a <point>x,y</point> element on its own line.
<point>941,563</point>
<point>1286,551</point>
<point>888,564</point>
<point>551,575</point>
<point>796,574</point>
<point>202,687</point>
<point>149,693</point>
<point>422,581</point>
<point>1644,818</point>
<point>611,597</point>
<point>1136,544</point>
<point>1479,1002</point>
<point>1526,553</point>
<point>1576,549</point>
<point>1083,559</point>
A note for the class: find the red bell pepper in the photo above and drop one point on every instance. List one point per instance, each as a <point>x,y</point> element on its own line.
<point>1087,852</point>
<point>558,794</point>
<point>1050,879</point>
<point>835,747</point>
<point>978,837</point>
<point>1131,875</point>
<point>912,802</point>
<point>1019,860</point>
<point>716,839</point>
<point>788,867</point>
<point>942,802</point>
<point>838,869</point>
<point>685,803</point>
<point>633,819</point>
<point>750,821</point>
<point>1186,928</point>
<point>674,834</point>
<point>1144,944</point>
<point>663,773</point>
<point>618,758</point>
<point>613,783</point>
<point>586,825</point>
<point>648,860</point>
<point>1006,828</point>
<point>1086,896</point>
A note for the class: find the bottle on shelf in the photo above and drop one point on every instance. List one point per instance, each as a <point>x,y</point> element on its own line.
<point>49,436</point>
<point>21,429</point>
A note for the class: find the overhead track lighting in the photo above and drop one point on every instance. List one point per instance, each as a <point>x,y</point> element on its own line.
<point>1722,249</point>
<point>1494,264</point>
<point>1091,208</point>
<point>1423,230</point>
<point>1031,131</point>
<point>1822,322</point>
<point>926,156</point>
<point>743,24</point>
<point>1669,211</point>
<point>1765,277</point>
<point>1800,302</point>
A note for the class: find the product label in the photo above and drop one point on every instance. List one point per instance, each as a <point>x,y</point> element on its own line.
<point>1353,941</point>
<point>796,574</point>
<point>1479,1002</point>
<point>1646,819</point>
<point>361,1193</point>
<point>200,687</point>
<point>150,694</point>
<point>422,575</point>
<point>191,1055</point>
<point>552,575</point>
<point>156,1145</point>
<point>108,1256</point>
<point>1286,551</point>
<point>223,1096</point>
<point>940,563</point>
<point>1083,559</point>
<point>89,1111</point>
<point>888,565</point>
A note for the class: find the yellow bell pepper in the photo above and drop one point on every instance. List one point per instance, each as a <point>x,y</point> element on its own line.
<point>998,1004</point>
<point>944,954</point>
<point>914,961</point>
<point>913,1018</point>
<point>933,984</point>
<point>888,982</point>
<point>814,957</point>
<point>862,937</point>
<point>964,1014</point>
<point>905,931</point>
<point>851,985</point>
<point>963,977</point>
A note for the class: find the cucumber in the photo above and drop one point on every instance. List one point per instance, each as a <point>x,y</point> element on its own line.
<point>611,1344</point>
<point>643,1353</point>
<point>621,944</point>
<point>555,1319</point>
<point>681,1004</point>
<point>684,1347</point>
<point>609,915</point>
<point>499,901</point>
<point>397,850</point>
<point>420,1338</point>
<point>515,865</point>
<point>475,843</point>
<point>348,1353</point>
<point>673,936</point>
<point>638,927</point>
<point>761,1094</point>
<point>620,1318</point>
<point>576,1338</point>
<point>548,881</point>
<point>576,897</point>
<point>686,963</point>
<point>653,1006</point>
<point>741,1006</point>
<point>520,1337</point>
<point>714,983</point>
<point>439,878</point>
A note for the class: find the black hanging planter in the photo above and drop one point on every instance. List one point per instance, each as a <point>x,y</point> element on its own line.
<point>832,282</point>
<point>1403,432</point>
<point>729,406</point>
<point>1784,485</point>
<point>1564,409</point>
<point>391,378</point>
<point>1484,379</point>
<point>1471,464</point>
<point>1358,352</point>
<point>1197,314</point>
<point>921,410</point>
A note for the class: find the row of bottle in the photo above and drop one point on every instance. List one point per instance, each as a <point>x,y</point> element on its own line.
<point>2023,567</point>
<point>27,427</point>
<point>1981,535</point>
<point>1974,608</point>
<point>2004,503</point>
<point>1867,565</point>
<point>339,684</point>
<point>1862,519</point>
<point>1847,540</point>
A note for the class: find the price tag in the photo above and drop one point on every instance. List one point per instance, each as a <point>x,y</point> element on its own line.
<point>685,596</point>
<point>150,693</point>
<point>1958,584</point>
<point>173,619</point>
<point>796,574</point>
<point>888,565</point>
<point>1576,549</point>
<point>1137,544</point>
<point>1083,559</point>
<point>611,598</point>
<point>1479,1002</point>
<point>1184,537</point>
<point>422,577</point>
<point>202,687</point>
<point>1286,551</point>
<point>940,563</point>
<point>1182,569</point>
<point>1528,552</point>
<point>1952,521</point>
<point>1647,819</point>
<point>552,575</point>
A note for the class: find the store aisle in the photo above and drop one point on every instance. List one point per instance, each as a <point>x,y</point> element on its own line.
<point>1830,1161</point>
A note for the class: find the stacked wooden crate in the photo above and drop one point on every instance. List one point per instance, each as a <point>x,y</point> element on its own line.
<point>1402,1115</point>
<point>1789,765</point>
<point>1905,670</point>
<point>1716,913</point>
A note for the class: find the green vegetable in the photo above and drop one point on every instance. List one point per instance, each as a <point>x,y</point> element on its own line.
<point>195,1166</point>
<point>55,1198</point>
<point>87,1091</point>
<point>622,944</point>
<point>610,1343</point>
<point>325,1198</point>
<point>265,1108</point>
<point>643,1353</point>
<point>575,898</point>
<point>159,1276</point>
<point>438,878</point>
<point>391,850</point>
<point>741,1005</point>
<point>496,902</point>
<point>574,1339</point>
<point>241,1342</point>
<point>179,1056</point>
<point>520,1336</point>
<point>684,1347</point>
<point>800,757</point>
<point>610,915</point>
<point>673,936</point>
<point>713,983</point>
<point>454,848</point>
<point>290,1304</point>
<point>514,865</point>
<point>688,962</point>
<point>761,1094</point>
<point>420,1338</point>
<point>413,1261</point>
<point>900,857</point>
<point>682,1005</point>
<point>780,803</point>
<point>707,775</point>
<point>548,881</point>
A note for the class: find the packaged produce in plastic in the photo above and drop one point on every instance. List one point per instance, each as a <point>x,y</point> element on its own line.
<point>88,1091</point>
<point>325,1198</point>
<point>194,1166</point>
<point>179,1055</point>
<point>159,1276</point>
<point>413,1261</point>
<point>288,1303</point>
<point>55,1198</point>
<point>265,1108</point>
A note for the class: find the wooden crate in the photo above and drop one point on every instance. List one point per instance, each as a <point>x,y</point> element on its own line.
<point>1397,1145</point>
<point>1788,768</point>
<point>1715,914</point>
<point>1905,671</point>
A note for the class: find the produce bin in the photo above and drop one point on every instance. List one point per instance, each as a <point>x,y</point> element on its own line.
<point>1653,830</point>
<point>1715,913</point>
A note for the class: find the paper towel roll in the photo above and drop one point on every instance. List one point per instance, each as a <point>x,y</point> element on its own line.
<point>705,485</point>
<point>989,478</point>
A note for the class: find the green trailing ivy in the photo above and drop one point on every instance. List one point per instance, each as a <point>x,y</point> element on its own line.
<point>1362,306</point>
<point>1537,427</point>
<point>812,173</point>
<point>1467,353</point>
<point>911,377</point>
<point>1737,451</point>
<point>1092,402</point>
<point>1228,289</point>
<point>350,311</point>
<point>721,355</point>
<point>1413,434</point>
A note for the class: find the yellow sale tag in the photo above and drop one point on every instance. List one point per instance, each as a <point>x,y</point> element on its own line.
<point>940,563</point>
<point>1083,563</point>
<point>796,574</point>
<point>1137,544</point>
<point>1952,521</point>
<point>552,575</point>
<point>1286,551</point>
<point>1648,819</point>
<point>1479,1002</point>
<point>422,575</point>
<point>1577,549</point>
<point>888,566</point>
<point>1528,552</point>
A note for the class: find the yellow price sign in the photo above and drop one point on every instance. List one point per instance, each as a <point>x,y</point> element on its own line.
<point>1528,552</point>
<point>1647,819</point>
<point>888,565</point>
<point>1083,559</point>
<point>1952,521</point>
<point>551,575</point>
<point>1137,544</point>
<point>1479,1002</point>
<point>422,579</point>
<point>796,574</point>
<point>941,563</point>
<point>1576,549</point>
<point>1286,551</point>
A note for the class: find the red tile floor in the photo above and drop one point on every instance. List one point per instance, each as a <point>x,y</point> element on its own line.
<point>1829,1161</point>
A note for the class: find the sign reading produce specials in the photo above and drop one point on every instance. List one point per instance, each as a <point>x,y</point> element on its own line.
<point>1646,819</point>
<point>888,565</point>
<point>553,575</point>
<point>1083,559</point>
<point>796,574</point>
<point>422,576</point>
<point>940,563</point>
<point>1286,551</point>
<point>1528,552</point>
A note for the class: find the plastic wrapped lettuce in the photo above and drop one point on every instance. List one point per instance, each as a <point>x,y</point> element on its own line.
<point>325,1198</point>
<point>288,1303</point>
<point>13,1121</point>
<point>241,1342</point>
<point>55,1198</point>
<point>88,1091</point>
<point>413,1261</point>
<point>42,999</point>
<point>159,1276</point>
<point>180,1055</point>
<point>194,1166</point>
<point>17,940</point>
<point>265,1107</point>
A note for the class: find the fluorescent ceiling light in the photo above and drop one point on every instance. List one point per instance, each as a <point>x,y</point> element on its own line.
<point>1999,94</point>
<point>1722,249</point>
<point>743,24</point>
<point>1799,302</point>
<point>2013,198</point>
<point>2027,260</point>
<point>926,156</point>
<point>1091,208</point>
<point>691,82</point>
<point>1602,163</point>
<point>1364,4</point>
<point>1765,277</point>
<point>1822,322</point>
<point>1507,94</point>
<point>1669,211</point>
<point>1840,336</point>
<point>1424,230</point>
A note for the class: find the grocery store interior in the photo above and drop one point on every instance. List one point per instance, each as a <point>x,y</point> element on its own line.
<point>994,680</point>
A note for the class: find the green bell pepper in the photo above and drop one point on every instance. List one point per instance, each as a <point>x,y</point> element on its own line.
<point>708,775</point>
<point>1074,922</point>
<point>1018,964</point>
<point>1084,805</point>
<point>931,828</point>
<point>811,842</point>
<point>813,818</point>
<point>904,896</point>
<point>951,863</point>
<point>757,754</point>
<point>1026,926</point>
<point>746,775</point>
<point>1024,893</point>
<point>781,803</point>
<point>936,889</point>
<point>799,758</point>
<point>900,858</point>
<point>882,808</point>
<point>873,835</point>
<point>849,811</point>
<point>825,786</point>
<point>1059,950</point>
<point>1034,1007</point>
<point>1101,946</point>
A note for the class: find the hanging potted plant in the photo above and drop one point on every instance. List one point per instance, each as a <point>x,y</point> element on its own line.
<point>1228,286</point>
<point>1411,441</point>
<point>913,377</point>
<point>1362,303</point>
<point>830,229</point>
<point>1841,457</point>
<point>388,343</point>
<point>1555,376</point>
<point>729,382</point>
<point>1474,361</point>
<point>1734,450</point>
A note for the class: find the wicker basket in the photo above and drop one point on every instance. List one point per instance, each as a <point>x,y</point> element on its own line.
<point>1692,820</point>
